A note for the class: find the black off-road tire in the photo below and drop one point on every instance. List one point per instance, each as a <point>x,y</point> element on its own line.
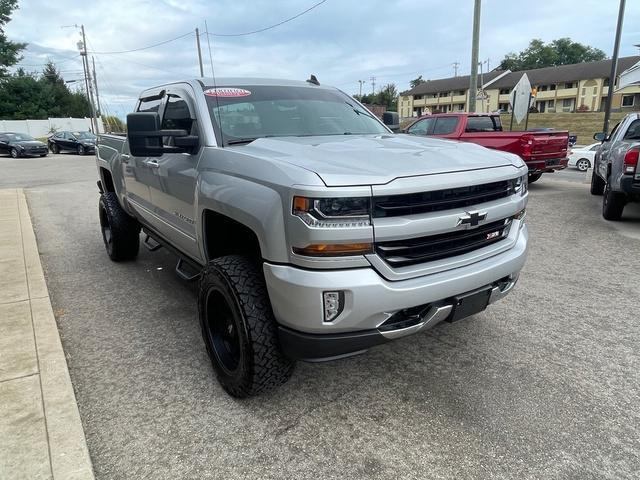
<point>120,231</point>
<point>612,203</point>
<point>238,327</point>
<point>534,177</point>
<point>597,184</point>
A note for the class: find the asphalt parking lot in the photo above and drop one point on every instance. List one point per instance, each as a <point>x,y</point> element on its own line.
<point>542,385</point>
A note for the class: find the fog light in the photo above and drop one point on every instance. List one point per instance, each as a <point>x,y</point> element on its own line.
<point>333,305</point>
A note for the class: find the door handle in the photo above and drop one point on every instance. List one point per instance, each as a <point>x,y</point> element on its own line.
<point>125,158</point>
<point>153,163</point>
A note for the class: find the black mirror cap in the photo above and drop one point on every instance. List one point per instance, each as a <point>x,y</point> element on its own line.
<point>143,134</point>
<point>600,136</point>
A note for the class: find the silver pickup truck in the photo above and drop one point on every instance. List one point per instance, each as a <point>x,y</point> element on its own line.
<point>616,175</point>
<point>315,232</point>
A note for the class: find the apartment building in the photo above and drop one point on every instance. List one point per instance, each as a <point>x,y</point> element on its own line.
<point>568,88</point>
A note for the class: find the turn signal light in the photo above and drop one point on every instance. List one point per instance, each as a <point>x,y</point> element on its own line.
<point>332,250</point>
<point>631,161</point>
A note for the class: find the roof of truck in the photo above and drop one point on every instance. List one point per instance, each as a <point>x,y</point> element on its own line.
<point>235,81</point>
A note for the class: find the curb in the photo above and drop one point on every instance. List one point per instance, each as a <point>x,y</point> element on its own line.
<point>68,453</point>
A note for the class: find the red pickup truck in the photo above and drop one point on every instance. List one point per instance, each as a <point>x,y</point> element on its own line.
<point>542,151</point>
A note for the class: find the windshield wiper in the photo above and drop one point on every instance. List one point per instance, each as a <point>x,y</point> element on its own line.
<point>360,112</point>
<point>240,141</point>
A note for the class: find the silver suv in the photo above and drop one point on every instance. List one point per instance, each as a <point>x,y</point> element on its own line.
<point>315,232</point>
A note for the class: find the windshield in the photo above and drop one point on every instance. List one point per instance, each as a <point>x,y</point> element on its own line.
<point>84,135</point>
<point>20,137</point>
<point>249,112</point>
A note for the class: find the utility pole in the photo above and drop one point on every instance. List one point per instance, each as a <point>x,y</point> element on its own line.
<point>475,47</point>
<point>481,84</point>
<point>455,68</point>
<point>199,52</point>
<point>614,68</point>
<point>95,82</point>
<point>373,85</point>
<point>360,82</point>
<point>87,79</point>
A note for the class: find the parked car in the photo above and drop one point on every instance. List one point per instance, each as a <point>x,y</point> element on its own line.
<point>21,145</point>
<point>80,142</point>
<point>315,232</point>
<point>616,175</point>
<point>542,151</point>
<point>582,157</point>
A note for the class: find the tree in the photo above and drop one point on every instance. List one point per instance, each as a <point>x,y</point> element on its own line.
<point>113,124</point>
<point>417,81</point>
<point>562,51</point>
<point>388,96</point>
<point>9,51</point>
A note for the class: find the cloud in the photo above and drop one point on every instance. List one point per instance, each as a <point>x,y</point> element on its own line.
<point>341,41</point>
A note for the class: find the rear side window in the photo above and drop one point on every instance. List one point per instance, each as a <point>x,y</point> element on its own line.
<point>445,125</point>
<point>150,105</point>
<point>481,124</point>
<point>633,132</point>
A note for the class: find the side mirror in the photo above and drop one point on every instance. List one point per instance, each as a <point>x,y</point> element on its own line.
<point>145,136</point>
<point>391,120</point>
<point>600,136</point>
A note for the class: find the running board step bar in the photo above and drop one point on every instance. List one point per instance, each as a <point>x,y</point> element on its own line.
<point>151,243</point>
<point>183,273</point>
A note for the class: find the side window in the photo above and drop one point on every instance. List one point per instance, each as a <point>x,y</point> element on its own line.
<point>445,125</point>
<point>595,147</point>
<point>421,127</point>
<point>58,135</point>
<point>150,105</point>
<point>177,116</point>
<point>480,124</point>
<point>633,132</point>
<point>3,138</point>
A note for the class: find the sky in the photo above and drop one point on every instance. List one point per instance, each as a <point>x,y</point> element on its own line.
<point>340,41</point>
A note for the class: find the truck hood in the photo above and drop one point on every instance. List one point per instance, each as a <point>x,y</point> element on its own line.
<point>376,159</point>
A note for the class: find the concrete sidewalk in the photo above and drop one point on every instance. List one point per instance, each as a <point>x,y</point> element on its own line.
<point>41,435</point>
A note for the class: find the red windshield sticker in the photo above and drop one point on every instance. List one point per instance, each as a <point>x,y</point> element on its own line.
<point>227,92</point>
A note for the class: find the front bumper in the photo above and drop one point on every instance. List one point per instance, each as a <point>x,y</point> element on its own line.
<point>547,166</point>
<point>370,300</point>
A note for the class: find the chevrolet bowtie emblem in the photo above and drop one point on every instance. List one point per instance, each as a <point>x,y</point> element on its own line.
<point>471,219</point>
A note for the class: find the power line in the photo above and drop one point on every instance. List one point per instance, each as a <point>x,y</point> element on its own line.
<point>147,47</point>
<point>315,5</point>
<point>45,64</point>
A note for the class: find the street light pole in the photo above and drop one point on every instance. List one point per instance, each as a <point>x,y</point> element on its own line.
<point>614,68</point>
<point>475,47</point>
<point>87,80</point>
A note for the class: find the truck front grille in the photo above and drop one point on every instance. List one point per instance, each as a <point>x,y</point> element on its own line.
<point>400,253</point>
<point>423,202</point>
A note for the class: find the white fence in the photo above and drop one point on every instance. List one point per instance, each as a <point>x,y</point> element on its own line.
<point>42,128</point>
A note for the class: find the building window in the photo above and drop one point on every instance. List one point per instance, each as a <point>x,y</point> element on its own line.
<point>543,88</point>
<point>461,92</point>
<point>627,100</point>
<point>417,97</point>
<point>504,91</point>
<point>503,107</point>
<point>606,82</point>
<point>550,104</point>
<point>584,91</point>
<point>569,85</point>
<point>460,107</point>
<point>552,86</point>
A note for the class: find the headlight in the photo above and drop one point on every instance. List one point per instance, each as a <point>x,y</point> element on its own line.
<point>522,185</point>
<point>333,212</point>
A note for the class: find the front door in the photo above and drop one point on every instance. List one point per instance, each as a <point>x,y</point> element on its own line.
<point>139,172</point>
<point>173,192</point>
<point>4,144</point>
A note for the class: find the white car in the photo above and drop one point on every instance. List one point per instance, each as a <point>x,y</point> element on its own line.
<point>582,157</point>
